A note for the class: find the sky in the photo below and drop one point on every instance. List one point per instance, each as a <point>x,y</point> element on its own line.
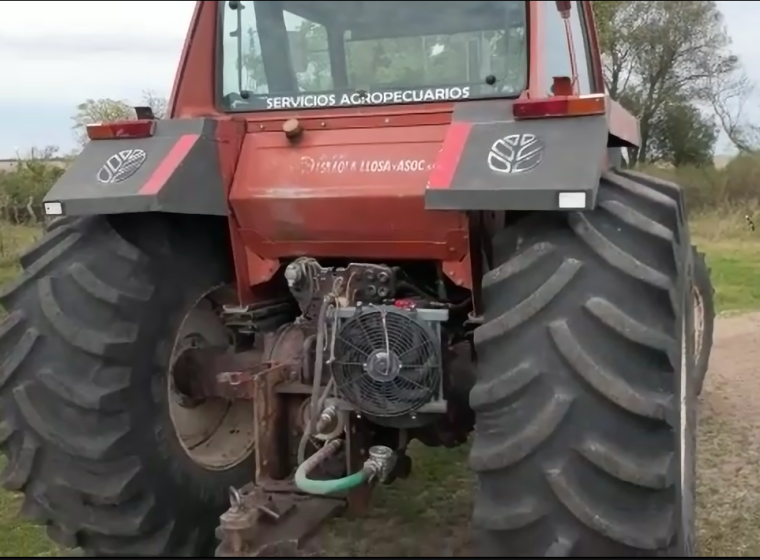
<point>54,55</point>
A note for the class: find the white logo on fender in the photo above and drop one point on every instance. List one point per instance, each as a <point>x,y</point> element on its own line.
<point>121,166</point>
<point>516,153</point>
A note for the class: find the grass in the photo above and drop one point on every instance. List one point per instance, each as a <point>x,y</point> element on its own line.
<point>728,491</point>
<point>733,255</point>
<point>735,274</point>
<point>13,239</point>
<point>427,515</point>
<point>18,538</point>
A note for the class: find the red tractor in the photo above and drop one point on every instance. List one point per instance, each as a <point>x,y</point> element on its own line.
<point>363,223</point>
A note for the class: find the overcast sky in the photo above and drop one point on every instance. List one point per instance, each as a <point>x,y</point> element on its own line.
<point>54,55</point>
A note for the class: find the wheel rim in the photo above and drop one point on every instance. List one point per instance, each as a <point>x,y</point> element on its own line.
<point>216,434</point>
<point>699,322</point>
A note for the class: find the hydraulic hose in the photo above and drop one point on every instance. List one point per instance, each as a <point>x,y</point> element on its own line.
<point>325,487</point>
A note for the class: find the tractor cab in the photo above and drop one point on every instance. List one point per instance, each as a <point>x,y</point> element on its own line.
<point>381,112</point>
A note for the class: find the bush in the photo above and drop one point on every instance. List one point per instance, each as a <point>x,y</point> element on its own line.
<point>736,187</point>
<point>23,188</point>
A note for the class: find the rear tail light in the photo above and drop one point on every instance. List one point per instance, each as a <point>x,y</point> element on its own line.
<point>121,129</point>
<point>560,106</point>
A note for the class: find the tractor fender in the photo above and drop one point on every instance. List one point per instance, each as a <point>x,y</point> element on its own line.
<point>491,161</point>
<point>177,169</point>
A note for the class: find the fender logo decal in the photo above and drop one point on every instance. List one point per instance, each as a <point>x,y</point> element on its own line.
<point>121,166</point>
<point>516,153</point>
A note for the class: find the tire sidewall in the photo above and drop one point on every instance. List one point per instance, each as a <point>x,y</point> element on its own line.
<point>703,285</point>
<point>689,386</point>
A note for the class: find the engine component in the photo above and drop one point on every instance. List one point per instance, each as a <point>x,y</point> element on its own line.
<point>330,424</point>
<point>387,361</point>
<point>309,282</point>
<point>381,462</point>
<point>262,317</point>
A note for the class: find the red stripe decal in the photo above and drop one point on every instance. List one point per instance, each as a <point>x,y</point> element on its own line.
<point>169,164</point>
<point>449,156</point>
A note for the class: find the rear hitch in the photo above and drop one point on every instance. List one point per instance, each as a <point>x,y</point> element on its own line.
<point>272,521</point>
<point>276,519</point>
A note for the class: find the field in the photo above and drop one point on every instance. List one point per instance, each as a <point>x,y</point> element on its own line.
<point>427,515</point>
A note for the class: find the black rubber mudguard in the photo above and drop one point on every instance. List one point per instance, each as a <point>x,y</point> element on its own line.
<point>175,170</point>
<point>490,161</point>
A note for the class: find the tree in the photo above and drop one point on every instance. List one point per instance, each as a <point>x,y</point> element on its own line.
<point>728,97</point>
<point>683,135</point>
<point>157,103</point>
<point>109,110</point>
<point>22,189</point>
<point>663,55</point>
<point>616,23</point>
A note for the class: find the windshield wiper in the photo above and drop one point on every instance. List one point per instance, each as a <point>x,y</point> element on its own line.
<point>238,35</point>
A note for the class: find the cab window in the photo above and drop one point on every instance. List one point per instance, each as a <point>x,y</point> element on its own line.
<point>289,54</point>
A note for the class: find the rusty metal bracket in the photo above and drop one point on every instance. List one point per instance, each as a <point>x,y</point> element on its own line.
<point>357,443</point>
<point>261,523</point>
<point>270,423</point>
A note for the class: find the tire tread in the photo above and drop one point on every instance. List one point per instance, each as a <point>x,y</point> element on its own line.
<point>552,384</point>
<point>69,422</point>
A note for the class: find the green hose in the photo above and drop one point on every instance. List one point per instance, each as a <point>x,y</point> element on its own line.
<point>325,487</point>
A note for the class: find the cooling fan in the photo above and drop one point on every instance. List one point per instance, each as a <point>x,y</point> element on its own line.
<point>387,360</point>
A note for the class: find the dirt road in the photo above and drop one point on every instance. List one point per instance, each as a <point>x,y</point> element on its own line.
<point>733,383</point>
<point>729,442</point>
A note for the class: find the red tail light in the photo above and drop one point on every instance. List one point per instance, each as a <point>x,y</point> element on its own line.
<point>567,106</point>
<point>121,129</point>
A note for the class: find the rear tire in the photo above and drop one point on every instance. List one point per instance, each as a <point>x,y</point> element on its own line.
<point>84,400</point>
<point>704,318</point>
<point>580,446</point>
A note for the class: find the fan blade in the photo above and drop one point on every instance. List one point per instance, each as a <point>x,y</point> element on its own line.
<point>419,384</point>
